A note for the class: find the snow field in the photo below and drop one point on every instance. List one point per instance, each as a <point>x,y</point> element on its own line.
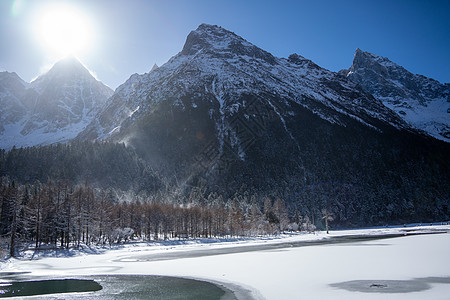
<point>285,273</point>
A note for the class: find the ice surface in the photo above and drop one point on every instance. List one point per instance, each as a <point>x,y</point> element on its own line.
<point>283,273</point>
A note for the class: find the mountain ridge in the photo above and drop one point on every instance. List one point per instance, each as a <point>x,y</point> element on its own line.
<point>421,101</point>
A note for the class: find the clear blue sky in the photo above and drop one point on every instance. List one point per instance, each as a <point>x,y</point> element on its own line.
<point>129,36</point>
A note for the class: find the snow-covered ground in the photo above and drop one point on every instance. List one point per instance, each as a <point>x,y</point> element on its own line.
<point>284,271</point>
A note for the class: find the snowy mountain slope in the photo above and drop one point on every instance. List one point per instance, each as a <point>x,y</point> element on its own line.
<point>422,102</point>
<point>53,108</point>
<point>12,91</point>
<point>223,67</point>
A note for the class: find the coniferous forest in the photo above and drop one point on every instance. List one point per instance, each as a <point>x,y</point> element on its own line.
<point>60,214</point>
<point>67,195</point>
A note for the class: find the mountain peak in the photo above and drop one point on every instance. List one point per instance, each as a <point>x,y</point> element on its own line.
<point>53,108</point>
<point>70,59</point>
<point>420,101</point>
<point>66,70</point>
<point>219,41</point>
<point>206,37</point>
<point>367,59</point>
<point>155,67</point>
<point>210,28</point>
<point>6,76</point>
<point>69,64</point>
<point>295,58</point>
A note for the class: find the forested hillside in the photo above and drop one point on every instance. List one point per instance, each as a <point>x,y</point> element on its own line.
<point>97,164</point>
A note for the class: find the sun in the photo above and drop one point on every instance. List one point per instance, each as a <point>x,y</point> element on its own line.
<point>63,30</point>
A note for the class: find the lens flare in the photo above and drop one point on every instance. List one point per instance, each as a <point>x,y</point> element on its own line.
<point>17,7</point>
<point>63,30</point>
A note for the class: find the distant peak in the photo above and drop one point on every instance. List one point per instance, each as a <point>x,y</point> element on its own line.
<point>366,59</point>
<point>359,53</point>
<point>295,58</point>
<point>68,67</point>
<point>8,76</point>
<point>70,58</point>
<point>155,67</point>
<point>69,61</point>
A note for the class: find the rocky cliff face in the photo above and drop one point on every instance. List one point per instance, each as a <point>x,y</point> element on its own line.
<point>422,102</point>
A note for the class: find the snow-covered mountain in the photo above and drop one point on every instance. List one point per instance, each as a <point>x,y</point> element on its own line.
<point>422,102</point>
<point>218,67</point>
<point>233,114</point>
<point>53,108</point>
<point>12,92</point>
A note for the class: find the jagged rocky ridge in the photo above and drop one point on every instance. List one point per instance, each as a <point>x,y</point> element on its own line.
<point>53,108</point>
<point>422,102</point>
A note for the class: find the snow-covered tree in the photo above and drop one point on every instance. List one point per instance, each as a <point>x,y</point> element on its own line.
<point>328,217</point>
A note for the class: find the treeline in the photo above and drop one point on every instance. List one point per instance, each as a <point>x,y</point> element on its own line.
<point>59,214</point>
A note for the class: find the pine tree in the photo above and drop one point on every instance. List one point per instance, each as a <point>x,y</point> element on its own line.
<point>11,208</point>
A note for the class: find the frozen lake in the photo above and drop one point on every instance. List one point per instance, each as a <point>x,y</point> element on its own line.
<point>369,264</point>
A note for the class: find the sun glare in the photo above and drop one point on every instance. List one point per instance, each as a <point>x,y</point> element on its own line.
<point>63,30</point>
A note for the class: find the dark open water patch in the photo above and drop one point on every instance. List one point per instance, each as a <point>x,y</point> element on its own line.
<point>156,287</point>
<point>121,287</point>
<point>44,287</point>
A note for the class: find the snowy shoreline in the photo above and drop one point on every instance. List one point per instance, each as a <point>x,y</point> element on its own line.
<point>274,268</point>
